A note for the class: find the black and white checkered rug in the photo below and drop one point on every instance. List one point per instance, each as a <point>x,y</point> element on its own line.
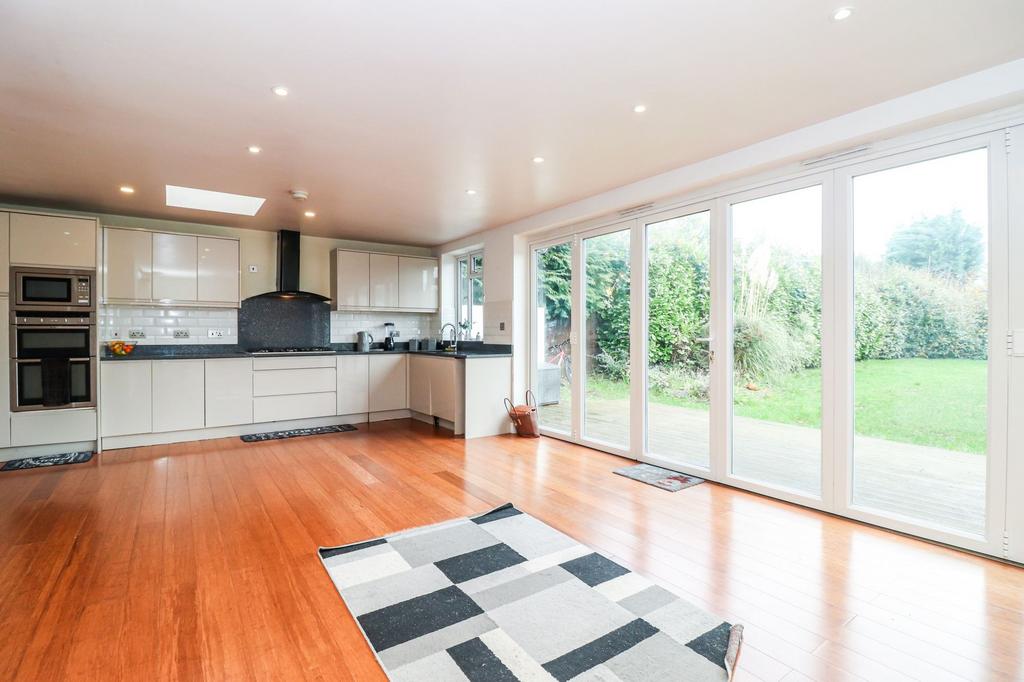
<point>505,597</point>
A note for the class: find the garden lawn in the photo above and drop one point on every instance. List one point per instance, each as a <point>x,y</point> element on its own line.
<point>941,403</point>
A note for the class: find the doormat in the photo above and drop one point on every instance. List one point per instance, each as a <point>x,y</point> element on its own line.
<point>46,461</point>
<point>295,433</point>
<point>666,479</point>
<point>504,597</point>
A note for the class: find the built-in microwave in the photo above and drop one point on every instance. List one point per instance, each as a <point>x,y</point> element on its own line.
<point>53,289</point>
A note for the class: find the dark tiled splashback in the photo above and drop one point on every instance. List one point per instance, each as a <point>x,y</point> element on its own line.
<point>281,323</point>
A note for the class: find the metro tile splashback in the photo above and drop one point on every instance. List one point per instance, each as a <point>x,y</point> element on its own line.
<point>344,325</point>
<point>159,324</point>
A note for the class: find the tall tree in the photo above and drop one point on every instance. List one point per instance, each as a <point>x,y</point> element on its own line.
<point>945,245</point>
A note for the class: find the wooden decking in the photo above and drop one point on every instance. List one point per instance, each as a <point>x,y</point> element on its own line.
<point>936,486</point>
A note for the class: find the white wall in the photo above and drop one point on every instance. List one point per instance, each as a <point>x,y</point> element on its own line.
<point>506,248</point>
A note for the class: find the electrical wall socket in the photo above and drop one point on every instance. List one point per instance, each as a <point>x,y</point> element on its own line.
<point>136,334</point>
<point>181,333</point>
<point>215,333</point>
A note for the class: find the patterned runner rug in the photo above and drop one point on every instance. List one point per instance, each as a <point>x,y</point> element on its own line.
<point>504,597</point>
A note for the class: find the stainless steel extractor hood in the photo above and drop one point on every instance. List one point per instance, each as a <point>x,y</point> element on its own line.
<point>288,271</point>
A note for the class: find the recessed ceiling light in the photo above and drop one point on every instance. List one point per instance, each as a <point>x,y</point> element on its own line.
<point>127,190</point>
<point>254,149</point>
<point>206,200</point>
<point>538,159</point>
<point>280,90</point>
<point>310,214</point>
<point>842,13</point>
<point>639,109</point>
<point>470,192</point>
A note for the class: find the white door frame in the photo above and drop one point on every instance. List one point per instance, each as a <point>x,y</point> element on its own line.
<point>998,366</point>
<point>723,400</point>
<point>837,341</point>
<point>640,339</point>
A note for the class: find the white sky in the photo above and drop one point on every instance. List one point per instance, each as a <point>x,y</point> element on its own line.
<point>883,201</point>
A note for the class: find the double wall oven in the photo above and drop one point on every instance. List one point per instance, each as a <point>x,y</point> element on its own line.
<point>53,339</point>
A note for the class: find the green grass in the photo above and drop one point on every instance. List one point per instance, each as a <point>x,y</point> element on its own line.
<point>941,403</point>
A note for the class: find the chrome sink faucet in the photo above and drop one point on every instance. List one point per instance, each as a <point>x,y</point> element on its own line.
<point>455,334</point>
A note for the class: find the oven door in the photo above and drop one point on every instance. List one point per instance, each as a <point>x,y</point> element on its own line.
<point>53,341</point>
<point>27,385</point>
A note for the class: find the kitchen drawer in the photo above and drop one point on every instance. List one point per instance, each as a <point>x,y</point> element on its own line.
<point>300,406</point>
<point>293,362</point>
<point>289,381</point>
<point>54,426</point>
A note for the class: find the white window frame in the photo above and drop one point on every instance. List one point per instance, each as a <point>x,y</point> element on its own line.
<point>467,258</point>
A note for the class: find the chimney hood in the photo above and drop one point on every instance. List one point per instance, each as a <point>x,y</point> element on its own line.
<point>288,271</point>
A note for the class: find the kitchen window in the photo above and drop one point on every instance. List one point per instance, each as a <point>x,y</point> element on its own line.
<point>470,295</point>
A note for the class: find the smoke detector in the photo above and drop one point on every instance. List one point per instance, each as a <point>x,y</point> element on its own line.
<point>299,194</point>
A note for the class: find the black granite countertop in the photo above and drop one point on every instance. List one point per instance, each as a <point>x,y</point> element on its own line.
<point>467,351</point>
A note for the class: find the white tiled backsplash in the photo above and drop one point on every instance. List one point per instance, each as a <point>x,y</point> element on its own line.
<point>159,324</point>
<point>409,326</point>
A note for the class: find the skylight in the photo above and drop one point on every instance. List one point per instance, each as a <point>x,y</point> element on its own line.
<point>206,200</point>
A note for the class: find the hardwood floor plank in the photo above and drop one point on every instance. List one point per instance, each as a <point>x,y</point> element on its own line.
<point>198,560</point>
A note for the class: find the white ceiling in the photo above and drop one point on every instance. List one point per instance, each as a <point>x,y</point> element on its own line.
<point>396,108</point>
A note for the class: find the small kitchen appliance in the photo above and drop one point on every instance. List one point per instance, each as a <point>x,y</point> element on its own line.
<point>389,335</point>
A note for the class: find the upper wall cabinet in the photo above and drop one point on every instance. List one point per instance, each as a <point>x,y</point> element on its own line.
<point>175,267</point>
<point>417,283</point>
<point>383,281</point>
<point>52,240</point>
<point>5,253</point>
<point>218,270</point>
<point>159,267</point>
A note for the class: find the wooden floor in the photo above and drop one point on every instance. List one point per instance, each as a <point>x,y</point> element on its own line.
<point>198,560</point>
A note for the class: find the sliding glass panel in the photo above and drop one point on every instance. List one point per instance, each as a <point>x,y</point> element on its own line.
<point>606,338</point>
<point>678,331</point>
<point>921,352</point>
<point>777,340</point>
<point>553,324</point>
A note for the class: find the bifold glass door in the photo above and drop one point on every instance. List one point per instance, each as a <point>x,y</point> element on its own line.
<point>776,338</point>
<point>835,340</point>
<point>679,352</point>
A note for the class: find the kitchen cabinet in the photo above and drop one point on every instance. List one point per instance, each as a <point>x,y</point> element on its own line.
<point>353,384</point>
<point>175,267</point>
<point>128,255</point>
<point>290,381</point>
<point>417,283</point>
<point>217,272</point>
<point>294,388</point>
<point>350,279</point>
<point>179,390</point>
<point>298,406</point>
<point>49,427</point>
<point>387,382</point>
<point>435,386</point>
<point>362,280</point>
<point>5,379</point>
<point>140,266</point>
<point>383,281</point>
<point>52,240</point>
<point>126,397</point>
<point>5,253</point>
<point>228,392</point>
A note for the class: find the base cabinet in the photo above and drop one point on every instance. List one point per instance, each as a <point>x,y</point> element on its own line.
<point>353,384</point>
<point>388,388</point>
<point>178,395</point>
<point>435,386</point>
<point>298,406</point>
<point>126,397</point>
<point>228,392</point>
